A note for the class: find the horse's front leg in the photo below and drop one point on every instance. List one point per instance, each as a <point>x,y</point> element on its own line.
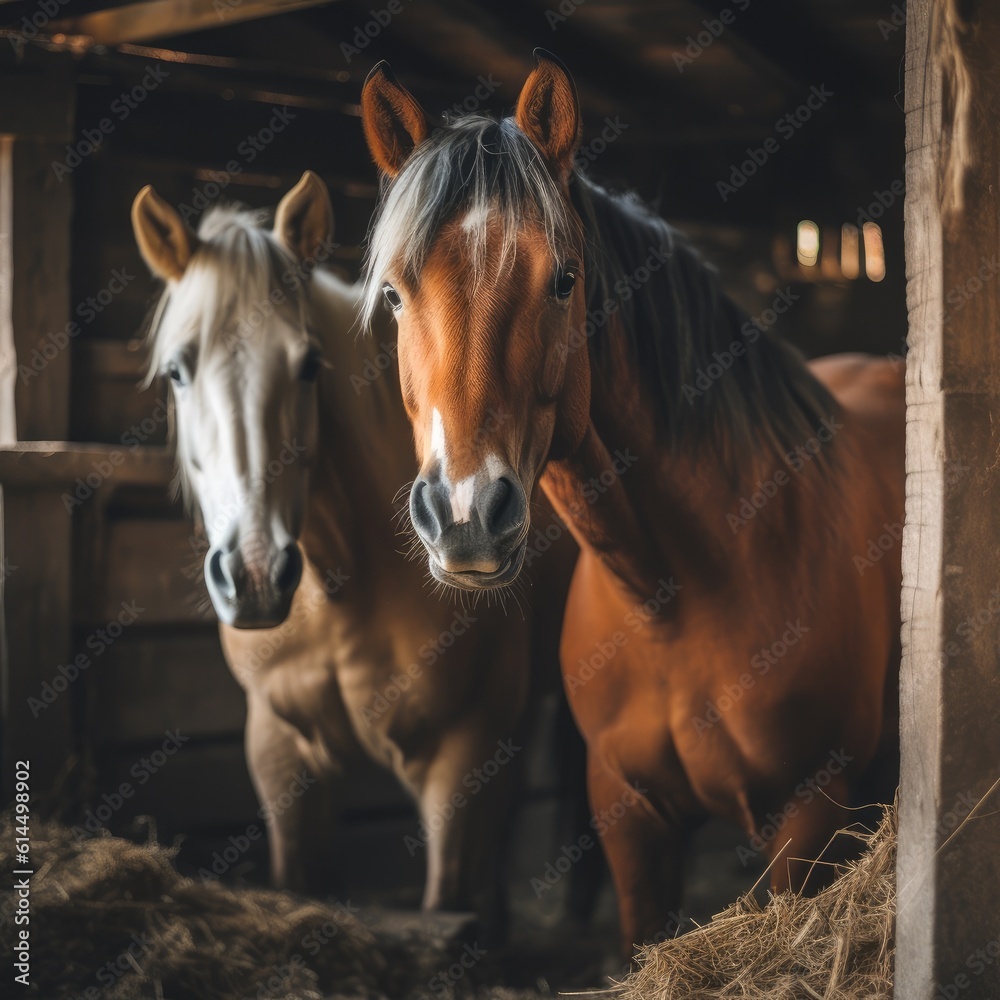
<point>464,793</point>
<point>645,854</point>
<point>296,804</point>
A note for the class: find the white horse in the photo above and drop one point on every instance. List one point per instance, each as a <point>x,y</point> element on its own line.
<point>292,449</point>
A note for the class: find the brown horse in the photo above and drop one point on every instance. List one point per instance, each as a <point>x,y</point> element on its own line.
<point>292,442</point>
<point>731,642</point>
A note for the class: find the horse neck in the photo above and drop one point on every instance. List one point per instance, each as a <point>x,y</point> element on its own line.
<point>648,512</point>
<point>652,500</point>
<point>365,451</point>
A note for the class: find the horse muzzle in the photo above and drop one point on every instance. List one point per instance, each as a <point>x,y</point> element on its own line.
<point>252,596</point>
<point>475,531</point>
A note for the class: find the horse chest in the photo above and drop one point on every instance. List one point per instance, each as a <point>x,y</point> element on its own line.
<point>693,714</point>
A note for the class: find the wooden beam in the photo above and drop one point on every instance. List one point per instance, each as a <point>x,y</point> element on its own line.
<point>138,22</point>
<point>39,464</point>
<point>797,41</point>
<point>948,868</point>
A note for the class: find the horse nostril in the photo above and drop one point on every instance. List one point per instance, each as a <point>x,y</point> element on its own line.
<point>220,574</point>
<point>423,512</point>
<point>287,568</point>
<point>503,506</point>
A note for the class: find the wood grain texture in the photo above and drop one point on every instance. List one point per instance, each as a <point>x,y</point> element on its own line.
<point>950,688</point>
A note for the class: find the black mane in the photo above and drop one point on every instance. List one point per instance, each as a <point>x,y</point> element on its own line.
<point>676,322</point>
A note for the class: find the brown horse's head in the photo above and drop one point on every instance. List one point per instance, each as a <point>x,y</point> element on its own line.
<point>479,253</point>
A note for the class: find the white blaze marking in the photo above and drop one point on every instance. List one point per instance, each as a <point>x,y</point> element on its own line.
<point>460,495</point>
<point>461,500</point>
<point>437,436</point>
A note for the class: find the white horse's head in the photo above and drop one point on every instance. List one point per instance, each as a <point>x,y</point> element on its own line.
<point>233,336</point>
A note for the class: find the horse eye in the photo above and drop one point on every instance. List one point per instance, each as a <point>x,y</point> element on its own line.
<point>311,364</point>
<point>175,373</point>
<point>392,297</point>
<point>565,280</point>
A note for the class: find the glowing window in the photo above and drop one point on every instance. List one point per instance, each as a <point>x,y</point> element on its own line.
<point>850,251</point>
<point>874,251</point>
<point>807,243</point>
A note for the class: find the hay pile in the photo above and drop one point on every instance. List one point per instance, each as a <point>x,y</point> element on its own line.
<point>837,945</point>
<point>113,920</point>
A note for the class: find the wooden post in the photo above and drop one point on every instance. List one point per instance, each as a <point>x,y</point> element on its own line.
<point>36,114</point>
<point>948,869</point>
<point>36,205</point>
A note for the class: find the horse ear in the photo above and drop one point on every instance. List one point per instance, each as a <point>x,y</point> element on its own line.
<point>165,240</point>
<point>548,112</point>
<point>395,123</point>
<point>303,221</point>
